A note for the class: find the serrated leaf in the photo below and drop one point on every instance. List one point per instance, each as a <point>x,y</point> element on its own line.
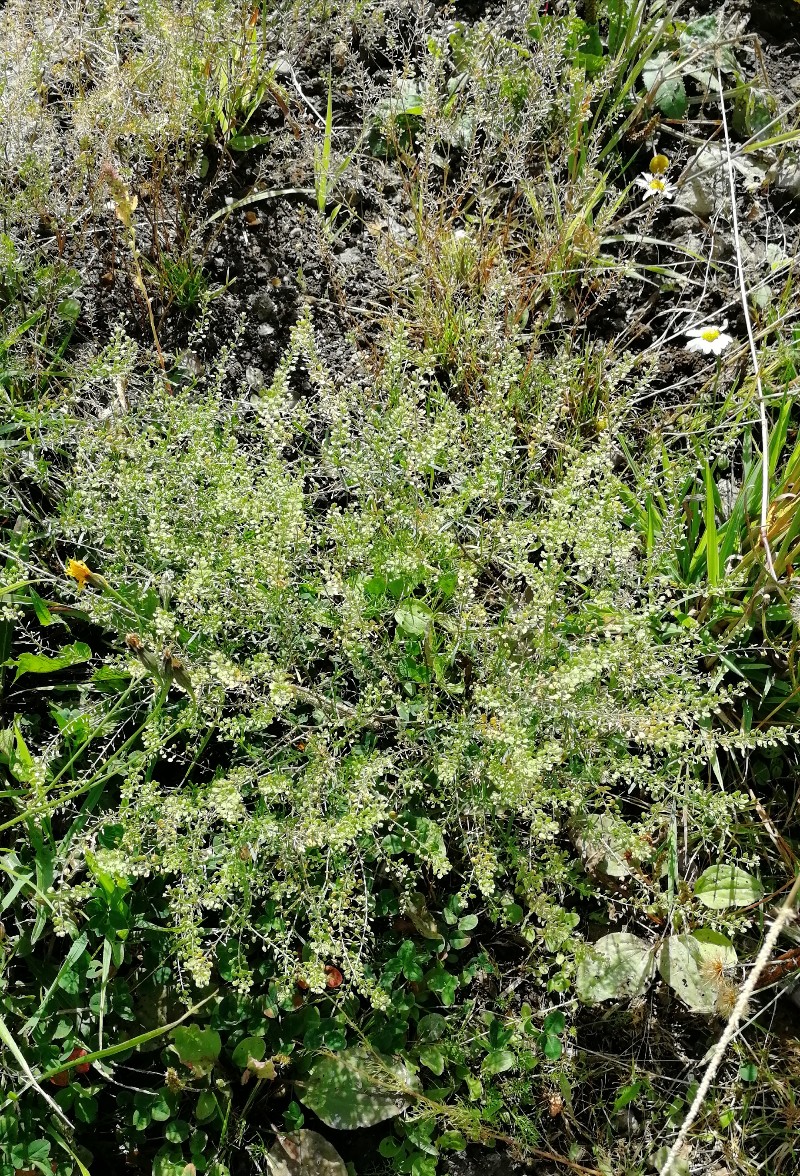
<point>358,1088</point>
<point>305,1153</point>
<point>618,965</point>
<point>721,887</point>
<point>690,963</point>
<point>40,663</point>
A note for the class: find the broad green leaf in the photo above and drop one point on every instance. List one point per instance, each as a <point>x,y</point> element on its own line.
<point>69,310</point>
<point>160,1109</point>
<point>198,1047</point>
<point>432,1027</point>
<point>43,614</point>
<point>358,1088</point>
<point>415,617</point>
<point>40,663</point>
<point>452,1140</point>
<point>423,1164</point>
<point>672,99</point>
<point>551,1046</point>
<point>168,1161</point>
<point>305,1153</point>
<point>720,887</point>
<point>443,983</point>
<point>497,1061</point>
<point>618,965</point>
<point>554,1022</point>
<point>207,1107</point>
<point>692,966</point>
<point>432,1057</point>
<point>251,1047</point>
<point>247,142</point>
<point>35,1154</point>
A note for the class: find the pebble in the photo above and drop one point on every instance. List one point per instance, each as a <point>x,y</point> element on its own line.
<point>787,179</point>
<point>351,256</point>
<point>264,308</point>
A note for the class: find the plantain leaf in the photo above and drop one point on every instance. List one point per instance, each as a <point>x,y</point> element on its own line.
<point>692,965</point>
<point>618,965</point>
<point>358,1088</point>
<point>305,1153</point>
<point>721,887</point>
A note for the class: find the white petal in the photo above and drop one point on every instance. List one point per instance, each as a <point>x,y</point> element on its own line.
<point>694,332</point>
<point>696,345</point>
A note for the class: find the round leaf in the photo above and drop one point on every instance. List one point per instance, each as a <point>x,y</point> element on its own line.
<point>251,1047</point>
<point>198,1047</point>
<point>432,1057</point>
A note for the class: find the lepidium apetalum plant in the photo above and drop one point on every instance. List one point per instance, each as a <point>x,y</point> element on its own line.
<point>428,647</point>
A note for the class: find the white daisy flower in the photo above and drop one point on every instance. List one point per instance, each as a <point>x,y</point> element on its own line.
<point>654,185</point>
<point>709,340</point>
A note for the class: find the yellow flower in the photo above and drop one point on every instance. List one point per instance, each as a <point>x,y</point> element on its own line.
<point>659,165</point>
<point>79,571</point>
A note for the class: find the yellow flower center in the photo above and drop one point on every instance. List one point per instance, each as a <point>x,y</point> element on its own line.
<point>659,164</point>
<point>657,185</point>
<point>710,334</point>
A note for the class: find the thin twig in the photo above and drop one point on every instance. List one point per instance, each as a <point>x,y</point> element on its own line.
<point>783,916</point>
<point>762,407</point>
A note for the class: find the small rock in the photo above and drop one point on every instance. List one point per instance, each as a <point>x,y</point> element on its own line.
<point>282,67</point>
<point>350,256</point>
<point>264,308</point>
<point>265,331</point>
<point>787,180</point>
<point>706,186</point>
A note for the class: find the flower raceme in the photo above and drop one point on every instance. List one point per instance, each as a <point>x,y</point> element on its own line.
<point>709,340</point>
